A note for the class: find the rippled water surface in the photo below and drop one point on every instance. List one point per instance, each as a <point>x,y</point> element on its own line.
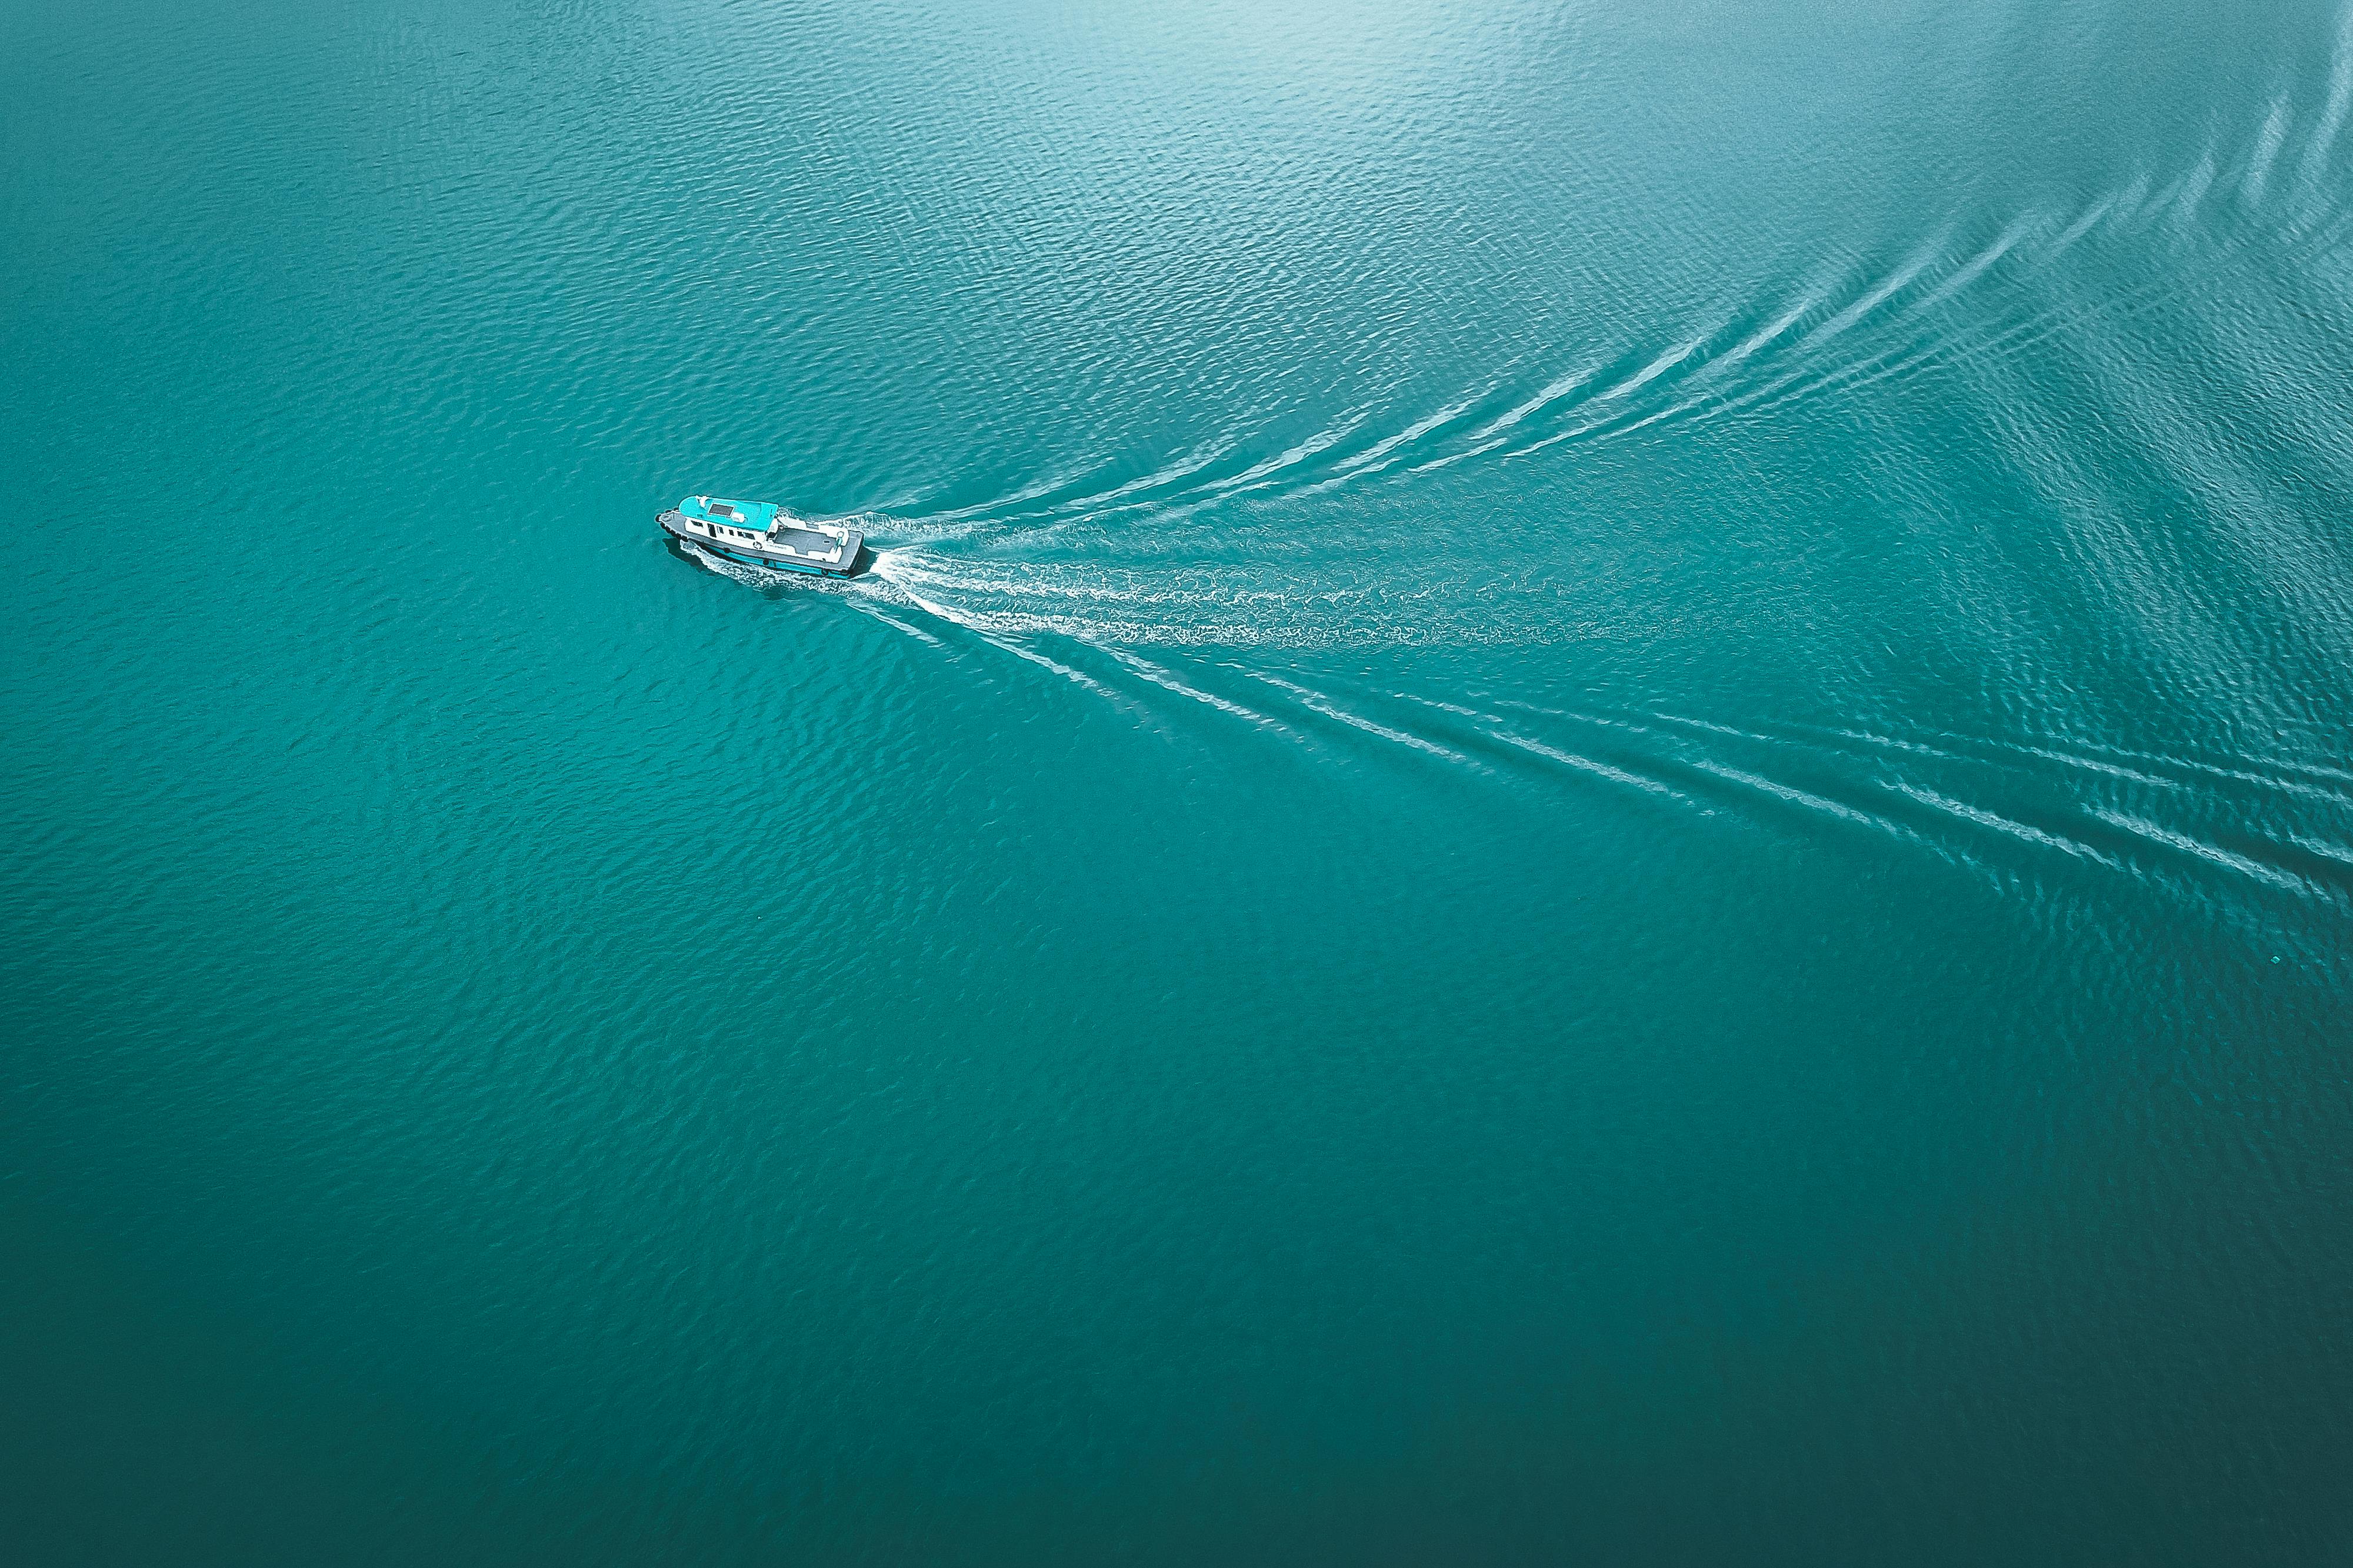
<point>1592,802</point>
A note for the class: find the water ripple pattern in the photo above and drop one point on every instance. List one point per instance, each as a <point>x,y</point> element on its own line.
<point>1590,801</point>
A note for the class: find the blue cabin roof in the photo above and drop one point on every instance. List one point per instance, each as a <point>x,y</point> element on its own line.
<point>755,515</point>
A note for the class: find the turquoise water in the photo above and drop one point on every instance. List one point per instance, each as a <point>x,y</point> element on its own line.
<point>1592,803</point>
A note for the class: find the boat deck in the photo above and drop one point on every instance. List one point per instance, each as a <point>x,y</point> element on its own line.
<point>803,542</point>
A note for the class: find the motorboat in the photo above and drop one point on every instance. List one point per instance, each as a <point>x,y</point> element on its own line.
<point>760,534</point>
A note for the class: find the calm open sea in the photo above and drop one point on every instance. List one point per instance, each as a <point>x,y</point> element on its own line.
<point>1592,803</point>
